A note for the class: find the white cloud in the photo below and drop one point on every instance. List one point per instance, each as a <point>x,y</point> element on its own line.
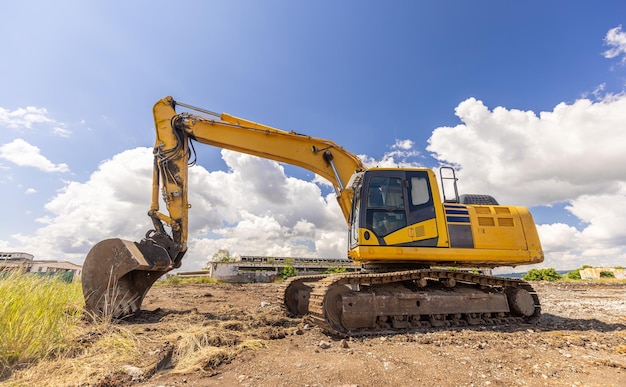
<point>573,154</point>
<point>24,154</point>
<point>112,203</point>
<point>604,218</point>
<point>253,209</point>
<point>30,191</point>
<point>403,144</point>
<point>24,117</point>
<point>402,154</point>
<point>616,39</point>
<point>524,158</point>
<point>62,132</point>
<point>29,117</point>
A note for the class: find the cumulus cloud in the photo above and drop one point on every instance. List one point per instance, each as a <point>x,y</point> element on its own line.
<point>251,209</point>
<point>573,154</point>
<point>534,159</point>
<point>616,39</point>
<point>24,154</point>
<point>112,203</point>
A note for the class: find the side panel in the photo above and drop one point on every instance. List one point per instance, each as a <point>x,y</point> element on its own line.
<point>497,227</point>
<point>460,257</point>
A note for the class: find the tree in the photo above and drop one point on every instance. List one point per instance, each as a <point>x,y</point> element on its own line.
<point>222,255</point>
<point>548,274</point>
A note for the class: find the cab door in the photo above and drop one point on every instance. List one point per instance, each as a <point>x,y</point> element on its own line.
<point>396,208</point>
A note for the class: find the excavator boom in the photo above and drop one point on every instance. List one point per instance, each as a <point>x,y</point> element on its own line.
<point>118,273</point>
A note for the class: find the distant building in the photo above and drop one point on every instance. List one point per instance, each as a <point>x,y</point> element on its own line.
<point>594,272</point>
<point>15,256</point>
<point>266,269</point>
<point>23,261</point>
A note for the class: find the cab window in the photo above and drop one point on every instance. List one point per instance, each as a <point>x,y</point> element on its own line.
<point>385,204</point>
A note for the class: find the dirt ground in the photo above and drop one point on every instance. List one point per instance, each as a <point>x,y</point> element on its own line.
<point>237,335</point>
<point>580,340</point>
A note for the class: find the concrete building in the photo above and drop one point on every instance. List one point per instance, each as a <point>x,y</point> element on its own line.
<point>594,272</point>
<point>23,261</point>
<point>266,269</point>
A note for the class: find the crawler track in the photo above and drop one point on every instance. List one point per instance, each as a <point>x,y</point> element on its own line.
<point>366,304</point>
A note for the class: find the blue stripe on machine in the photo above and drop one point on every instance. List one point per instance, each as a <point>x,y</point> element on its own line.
<point>458,219</point>
<point>456,212</point>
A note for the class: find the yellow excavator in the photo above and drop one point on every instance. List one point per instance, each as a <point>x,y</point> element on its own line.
<point>419,247</point>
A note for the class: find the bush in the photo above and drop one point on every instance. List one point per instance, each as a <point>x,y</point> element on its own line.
<point>287,271</point>
<point>541,275</point>
<point>335,270</point>
<point>607,274</point>
<point>574,274</point>
<point>176,280</point>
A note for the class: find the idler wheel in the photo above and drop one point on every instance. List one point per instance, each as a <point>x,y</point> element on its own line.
<point>521,302</point>
<point>296,298</point>
<point>333,305</point>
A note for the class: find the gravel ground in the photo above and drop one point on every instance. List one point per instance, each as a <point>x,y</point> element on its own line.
<point>580,340</point>
<point>238,335</point>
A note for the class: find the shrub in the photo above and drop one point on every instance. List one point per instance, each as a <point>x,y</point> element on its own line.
<point>335,270</point>
<point>574,274</point>
<point>541,275</point>
<point>287,272</point>
<point>177,280</point>
<point>607,274</point>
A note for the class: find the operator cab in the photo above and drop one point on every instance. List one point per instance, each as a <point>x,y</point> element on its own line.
<point>390,200</point>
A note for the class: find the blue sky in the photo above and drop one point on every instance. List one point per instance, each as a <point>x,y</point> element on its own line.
<point>526,99</point>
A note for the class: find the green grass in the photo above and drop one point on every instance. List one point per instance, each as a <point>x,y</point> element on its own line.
<point>36,313</point>
<point>176,280</point>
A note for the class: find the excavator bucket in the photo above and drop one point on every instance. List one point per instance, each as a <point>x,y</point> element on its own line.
<point>118,273</point>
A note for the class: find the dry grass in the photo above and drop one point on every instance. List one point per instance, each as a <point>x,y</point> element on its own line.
<point>203,348</point>
<point>36,314</point>
<point>94,348</point>
<point>43,338</point>
<point>100,351</point>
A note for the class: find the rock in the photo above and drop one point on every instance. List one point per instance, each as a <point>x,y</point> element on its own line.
<point>324,344</point>
<point>135,373</point>
<point>344,344</point>
<point>265,304</point>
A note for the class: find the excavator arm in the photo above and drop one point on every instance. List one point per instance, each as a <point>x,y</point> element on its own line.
<point>118,273</point>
